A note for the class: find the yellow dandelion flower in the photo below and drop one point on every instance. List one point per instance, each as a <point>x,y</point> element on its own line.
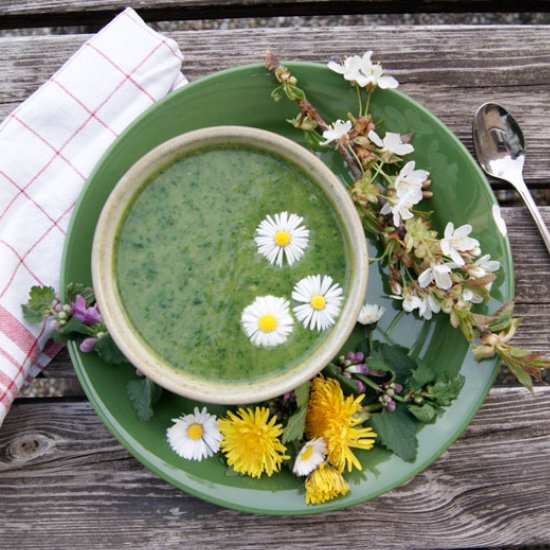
<point>325,483</point>
<point>334,417</point>
<point>251,441</point>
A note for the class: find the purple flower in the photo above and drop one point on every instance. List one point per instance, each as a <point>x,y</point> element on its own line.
<point>88,315</point>
<point>87,344</point>
<point>360,368</point>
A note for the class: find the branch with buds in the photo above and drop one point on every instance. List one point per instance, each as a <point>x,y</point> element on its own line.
<point>428,274</point>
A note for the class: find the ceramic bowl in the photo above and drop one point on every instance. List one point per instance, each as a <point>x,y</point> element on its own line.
<point>128,338</point>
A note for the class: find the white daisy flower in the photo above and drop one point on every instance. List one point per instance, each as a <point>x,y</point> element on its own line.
<point>497,216</point>
<point>194,436</point>
<point>321,301</point>
<point>336,131</point>
<point>267,321</point>
<point>282,236</point>
<point>456,241</point>
<point>392,143</point>
<point>370,314</point>
<point>311,455</point>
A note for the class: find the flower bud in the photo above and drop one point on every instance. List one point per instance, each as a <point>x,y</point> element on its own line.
<point>390,405</point>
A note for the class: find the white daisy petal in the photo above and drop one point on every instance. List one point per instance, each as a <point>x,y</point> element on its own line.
<point>321,300</point>
<point>267,321</point>
<point>282,237</point>
<point>194,436</point>
<point>311,455</point>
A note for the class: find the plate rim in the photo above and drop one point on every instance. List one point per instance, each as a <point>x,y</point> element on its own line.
<point>117,430</point>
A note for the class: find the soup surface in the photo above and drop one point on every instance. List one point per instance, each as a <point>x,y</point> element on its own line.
<point>187,263</point>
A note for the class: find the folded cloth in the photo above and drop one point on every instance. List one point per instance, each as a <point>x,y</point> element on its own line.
<point>48,147</point>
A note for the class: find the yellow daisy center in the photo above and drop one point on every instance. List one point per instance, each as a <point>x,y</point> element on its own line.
<point>195,431</point>
<point>318,302</point>
<point>282,238</point>
<point>267,323</point>
<point>306,455</point>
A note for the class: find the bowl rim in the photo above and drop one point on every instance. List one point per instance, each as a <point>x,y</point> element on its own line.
<point>120,327</point>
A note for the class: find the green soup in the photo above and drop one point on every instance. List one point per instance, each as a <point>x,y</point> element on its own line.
<point>187,264</point>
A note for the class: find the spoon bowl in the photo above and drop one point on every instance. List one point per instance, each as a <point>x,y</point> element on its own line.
<point>500,149</point>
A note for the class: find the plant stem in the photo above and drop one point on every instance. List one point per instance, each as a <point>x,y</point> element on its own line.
<point>358,90</point>
<point>394,322</point>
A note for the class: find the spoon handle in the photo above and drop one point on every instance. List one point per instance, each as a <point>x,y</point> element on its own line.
<point>518,182</point>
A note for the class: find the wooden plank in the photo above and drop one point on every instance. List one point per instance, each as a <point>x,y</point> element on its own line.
<point>36,13</point>
<point>429,62</point>
<point>62,473</point>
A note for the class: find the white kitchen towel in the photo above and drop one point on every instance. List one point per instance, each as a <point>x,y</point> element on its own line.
<point>48,147</point>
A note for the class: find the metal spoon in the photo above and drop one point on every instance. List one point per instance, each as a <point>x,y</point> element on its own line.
<point>500,150</point>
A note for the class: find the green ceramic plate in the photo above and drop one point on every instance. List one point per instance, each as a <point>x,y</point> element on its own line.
<point>242,96</point>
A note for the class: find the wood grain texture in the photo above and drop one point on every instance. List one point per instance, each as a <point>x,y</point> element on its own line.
<point>39,13</point>
<point>451,70</point>
<point>65,481</point>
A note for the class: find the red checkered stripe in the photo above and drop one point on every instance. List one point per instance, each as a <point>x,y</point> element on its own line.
<point>25,351</point>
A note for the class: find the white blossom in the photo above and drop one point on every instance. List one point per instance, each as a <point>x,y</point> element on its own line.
<point>456,241</point>
<point>428,306</point>
<point>469,295</point>
<point>363,71</point>
<point>350,69</point>
<point>370,314</point>
<point>401,207</point>
<point>438,273</point>
<point>409,181</point>
<point>483,266</point>
<point>336,131</point>
<point>392,143</point>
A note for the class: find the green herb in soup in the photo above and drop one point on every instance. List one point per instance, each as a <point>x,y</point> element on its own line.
<point>187,264</point>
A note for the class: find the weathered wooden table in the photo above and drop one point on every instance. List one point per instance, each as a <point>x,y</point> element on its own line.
<point>64,480</point>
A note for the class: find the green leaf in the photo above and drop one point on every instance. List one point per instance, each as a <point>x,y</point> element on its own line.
<point>293,93</point>
<point>32,316</point>
<point>74,326</point>
<point>108,351</point>
<point>523,377</point>
<point>302,394</point>
<point>74,289</point>
<point>397,431</point>
<point>294,428</point>
<point>143,394</point>
<point>39,305</point>
<point>422,375</point>
<point>400,362</point>
<point>425,413</point>
<point>444,392</point>
<point>502,317</point>
<point>277,94</point>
